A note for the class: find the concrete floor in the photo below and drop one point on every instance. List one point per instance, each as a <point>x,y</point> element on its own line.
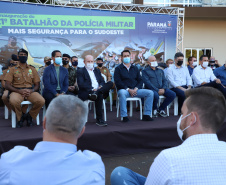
<point>139,163</point>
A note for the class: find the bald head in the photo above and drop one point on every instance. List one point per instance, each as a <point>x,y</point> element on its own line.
<point>88,57</point>
<point>151,59</point>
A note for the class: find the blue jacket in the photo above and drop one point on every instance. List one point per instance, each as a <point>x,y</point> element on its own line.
<point>154,79</point>
<point>50,80</point>
<point>85,83</point>
<point>127,79</point>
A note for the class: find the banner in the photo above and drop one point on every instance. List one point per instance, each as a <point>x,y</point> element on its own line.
<point>41,29</point>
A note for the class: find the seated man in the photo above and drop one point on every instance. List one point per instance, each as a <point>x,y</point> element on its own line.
<point>23,83</point>
<point>192,63</point>
<point>5,97</point>
<point>129,84</point>
<point>72,75</point>
<point>200,159</point>
<point>55,160</point>
<point>203,76</point>
<point>154,79</point>
<point>47,62</point>
<point>179,79</point>
<point>92,86</point>
<point>220,73</point>
<point>55,79</point>
<point>105,72</point>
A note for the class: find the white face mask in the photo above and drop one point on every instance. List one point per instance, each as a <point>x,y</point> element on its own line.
<point>154,64</point>
<point>195,64</point>
<point>179,131</point>
<point>170,65</point>
<point>205,64</point>
<point>89,65</point>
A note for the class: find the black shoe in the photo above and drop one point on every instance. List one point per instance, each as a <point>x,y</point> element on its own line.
<point>100,122</point>
<point>163,114</point>
<point>92,97</point>
<point>147,118</point>
<point>20,123</point>
<point>125,119</point>
<point>29,120</point>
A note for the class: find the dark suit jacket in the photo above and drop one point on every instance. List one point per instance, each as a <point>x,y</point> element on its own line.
<point>85,83</point>
<point>50,80</point>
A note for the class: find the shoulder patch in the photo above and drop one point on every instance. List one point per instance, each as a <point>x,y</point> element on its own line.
<point>8,71</point>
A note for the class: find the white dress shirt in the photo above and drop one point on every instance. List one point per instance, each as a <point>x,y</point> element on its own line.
<point>51,163</point>
<point>92,76</point>
<point>178,76</point>
<point>201,75</point>
<point>200,160</point>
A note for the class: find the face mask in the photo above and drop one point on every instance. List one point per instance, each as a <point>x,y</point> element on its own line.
<point>58,60</point>
<point>195,64</point>
<point>48,63</point>
<point>179,131</point>
<point>23,59</point>
<point>13,43</point>
<point>11,65</point>
<point>126,60</point>
<point>65,62</point>
<point>75,63</point>
<point>205,64</point>
<point>154,64</point>
<point>89,65</point>
<point>179,62</point>
<point>100,64</point>
<point>170,65</point>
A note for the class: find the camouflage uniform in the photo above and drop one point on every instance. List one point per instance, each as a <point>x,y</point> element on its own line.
<point>72,77</point>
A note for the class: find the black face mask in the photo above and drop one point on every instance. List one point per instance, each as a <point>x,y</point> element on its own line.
<point>48,63</point>
<point>100,64</point>
<point>13,43</point>
<point>75,63</point>
<point>65,62</point>
<point>23,59</point>
<point>11,65</point>
<point>179,62</point>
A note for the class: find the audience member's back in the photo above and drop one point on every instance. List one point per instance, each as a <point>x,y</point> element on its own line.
<point>55,160</point>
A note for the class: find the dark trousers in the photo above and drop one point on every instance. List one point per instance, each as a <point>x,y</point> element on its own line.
<point>215,85</point>
<point>106,88</point>
<point>48,96</point>
<point>181,96</point>
<point>170,95</point>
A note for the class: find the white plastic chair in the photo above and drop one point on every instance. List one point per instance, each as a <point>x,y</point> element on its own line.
<point>13,114</point>
<point>104,107</point>
<point>161,98</point>
<point>110,92</point>
<point>131,99</point>
<point>6,113</point>
<point>175,102</point>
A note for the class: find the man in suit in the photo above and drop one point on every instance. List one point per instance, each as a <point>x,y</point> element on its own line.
<point>55,79</point>
<point>92,86</point>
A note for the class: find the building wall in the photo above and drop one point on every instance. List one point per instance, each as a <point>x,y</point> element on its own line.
<point>206,33</point>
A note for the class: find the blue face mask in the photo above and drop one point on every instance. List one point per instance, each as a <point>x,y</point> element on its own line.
<point>126,60</point>
<point>58,60</point>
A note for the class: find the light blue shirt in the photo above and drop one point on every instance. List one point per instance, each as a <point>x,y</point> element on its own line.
<point>201,160</point>
<point>51,163</point>
<point>178,76</point>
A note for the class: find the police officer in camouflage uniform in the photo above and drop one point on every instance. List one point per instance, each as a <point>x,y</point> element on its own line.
<point>47,61</point>
<point>72,75</point>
